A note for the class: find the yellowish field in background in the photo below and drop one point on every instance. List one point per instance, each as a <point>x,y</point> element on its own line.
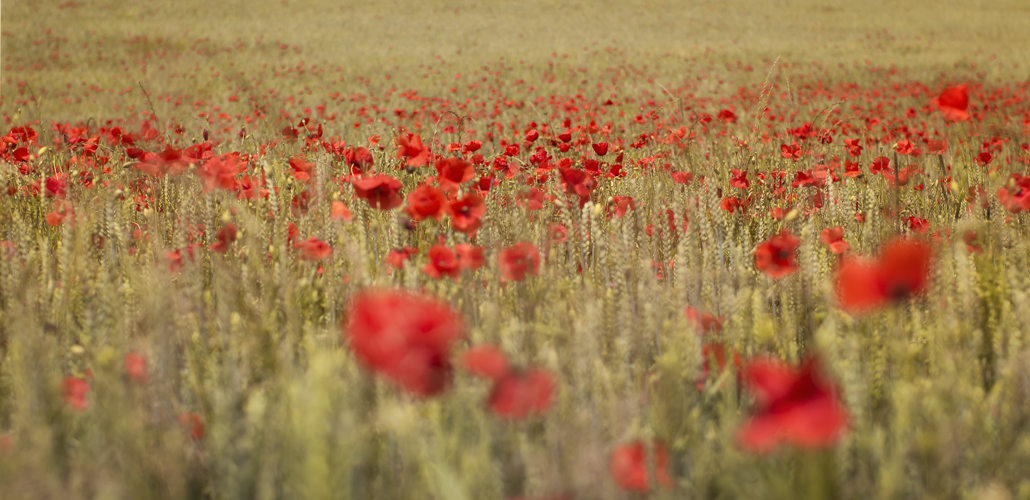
<point>371,36</point>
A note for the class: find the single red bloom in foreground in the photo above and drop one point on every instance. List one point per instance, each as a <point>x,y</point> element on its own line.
<point>380,191</point>
<point>901,272</point>
<point>775,257</point>
<point>954,103</point>
<point>405,337</point>
<point>313,249</point>
<point>518,260</point>
<point>486,361</point>
<point>75,390</point>
<point>834,238</point>
<point>797,406</point>
<point>629,466</point>
<point>519,395</point>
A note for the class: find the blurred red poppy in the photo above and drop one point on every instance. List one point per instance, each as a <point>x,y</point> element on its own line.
<point>470,257</point>
<point>522,394</point>
<point>313,249</point>
<point>302,169</point>
<point>775,257</point>
<point>902,271</point>
<point>628,466</point>
<point>486,361</point>
<point>834,238</point>
<point>338,211</point>
<point>75,390</point>
<point>380,191</point>
<point>796,406</point>
<point>225,236</point>
<point>954,103</point>
<point>136,367</point>
<point>396,258</point>
<point>705,322</point>
<point>193,424</point>
<point>518,260</point>
<point>405,337</point>
<point>620,205</point>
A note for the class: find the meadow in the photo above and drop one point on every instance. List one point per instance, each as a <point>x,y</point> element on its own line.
<point>514,250</point>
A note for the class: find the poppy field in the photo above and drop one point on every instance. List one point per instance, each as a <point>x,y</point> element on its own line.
<point>454,251</point>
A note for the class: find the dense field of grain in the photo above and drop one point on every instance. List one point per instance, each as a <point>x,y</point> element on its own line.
<point>538,250</point>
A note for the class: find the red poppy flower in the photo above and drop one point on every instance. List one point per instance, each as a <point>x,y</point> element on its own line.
<point>705,322</point>
<point>302,169</point>
<point>453,172</point>
<point>136,367</point>
<point>380,191</point>
<point>918,225</point>
<point>338,211</point>
<point>954,103</point>
<point>797,406</point>
<point>904,268</point>
<point>791,152</point>
<point>75,390</point>
<point>682,177</point>
<point>358,158</point>
<point>404,337</point>
<point>1015,196</point>
<point>518,260</point>
<point>983,159</point>
<point>972,241</point>
<point>486,361</point>
<point>738,179</point>
<point>775,257</point>
<point>225,236</point>
<point>519,395</point>
<point>426,201</point>
<point>410,148</point>
<point>834,237</point>
<point>937,147</point>
<point>577,182</point>
<point>313,249</point>
<point>716,352</point>
<point>469,257</point>
<point>193,424</point>
<point>880,164</point>
<point>396,258</point>
<point>600,148</point>
<point>902,271</point>
<point>620,205</point>
<point>629,466</point>
<point>443,261</point>
<point>467,213</point>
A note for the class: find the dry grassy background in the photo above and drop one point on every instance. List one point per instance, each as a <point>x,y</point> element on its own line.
<point>372,37</point>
